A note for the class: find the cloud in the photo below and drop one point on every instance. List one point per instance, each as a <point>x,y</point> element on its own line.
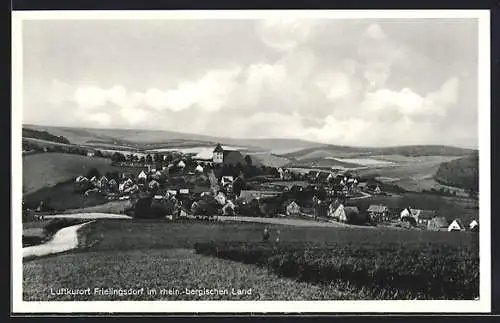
<point>285,34</point>
<point>291,90</point>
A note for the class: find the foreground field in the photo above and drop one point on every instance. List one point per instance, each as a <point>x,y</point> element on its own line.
<point>158,254</point>
<point>380,270</point>
<point>169,270</point>
<point>47,169</point>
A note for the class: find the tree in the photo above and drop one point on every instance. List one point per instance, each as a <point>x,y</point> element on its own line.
<point>248,160</point>
<point>149,159</point>
<point>118,157</point>
<point>93,172</point>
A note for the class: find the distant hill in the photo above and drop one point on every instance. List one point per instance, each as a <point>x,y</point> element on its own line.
<point>346,151</point>
<point>44,135</point>
<point>45,170</point>
<point>150,139</point>
<point>462,173</point>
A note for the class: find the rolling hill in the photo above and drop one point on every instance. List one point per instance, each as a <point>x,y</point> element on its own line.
<point>151,139</point>
<point>462,172</point>
<point>48,169</point>
<point>346,151</point>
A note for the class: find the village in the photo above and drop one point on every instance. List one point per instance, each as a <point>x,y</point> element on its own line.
<point>175,185</point>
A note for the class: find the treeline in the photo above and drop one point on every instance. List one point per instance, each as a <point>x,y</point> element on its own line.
<point>44,135</point>
<point>462,173</point>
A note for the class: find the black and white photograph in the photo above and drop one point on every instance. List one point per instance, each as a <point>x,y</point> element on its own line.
<point>193,161</point>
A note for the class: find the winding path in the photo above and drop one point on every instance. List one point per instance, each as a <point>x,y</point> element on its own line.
<point>64,240</point>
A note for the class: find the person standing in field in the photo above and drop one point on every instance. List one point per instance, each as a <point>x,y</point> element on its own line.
<point>265,235</point>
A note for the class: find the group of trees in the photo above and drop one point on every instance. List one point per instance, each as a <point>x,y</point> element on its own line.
<point>462,173</point>
<point>43,135</point>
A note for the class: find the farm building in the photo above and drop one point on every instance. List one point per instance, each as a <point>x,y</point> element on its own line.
<point>456,225</point>
<point>437,224</point>
<point>347,214</point>
<point>474,225</point>
<point>410,215</point>
<point>424,216</point>
<point>378,213</point>
<point>293,208</point>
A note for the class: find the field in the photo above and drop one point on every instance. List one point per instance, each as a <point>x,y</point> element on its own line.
<point>411,173</point>
<point>47,169</point>
<point>159,254</point>
<point>380,269</point>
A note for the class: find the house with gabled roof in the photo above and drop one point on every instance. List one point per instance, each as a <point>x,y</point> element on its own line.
<point>378,213</point>
<point>292,209</point>
<point>456,225</point>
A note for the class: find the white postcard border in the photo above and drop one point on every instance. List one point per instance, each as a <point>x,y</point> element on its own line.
<point>482,305</point>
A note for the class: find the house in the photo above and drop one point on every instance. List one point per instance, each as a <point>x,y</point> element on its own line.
<point>170,193</point>
<point>158,197</point>
<point>332,208</point>
<point>378,213</point>
<point>228,209</point>
<point>184,191</point>
<point>424,216</point>
<point>221,198</point>
<point>153,185</point>
<point>474,225</point>
<point>142,175</point>
<point>377,190</point>
<point>293,208</point>
<point>437,224</point>
<point>91,153</point>
<point>226,180</point>
<point>181,164</point>
<point>81,179</point>
<point>346,214</point>
<point>199,169</point>
<point>409,215</point>
<point>227,156</point>
<point>456,225</point>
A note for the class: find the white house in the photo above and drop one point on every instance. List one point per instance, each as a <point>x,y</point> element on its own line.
<point>221,198</point>
<point>142,175</point>
<point>293,208</point>
<point>181,164</point>
<point>473,225</point>
<point>456,225</point>
<point>199,169</point>
<point>226,180</point>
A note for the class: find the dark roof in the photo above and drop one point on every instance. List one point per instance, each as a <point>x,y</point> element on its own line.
<point>218,149</point>
<point>233,157</point>
<point>426,214</point>
<point>351,210</point>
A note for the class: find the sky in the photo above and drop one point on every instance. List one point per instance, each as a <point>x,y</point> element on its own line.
<point>358,82</point>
